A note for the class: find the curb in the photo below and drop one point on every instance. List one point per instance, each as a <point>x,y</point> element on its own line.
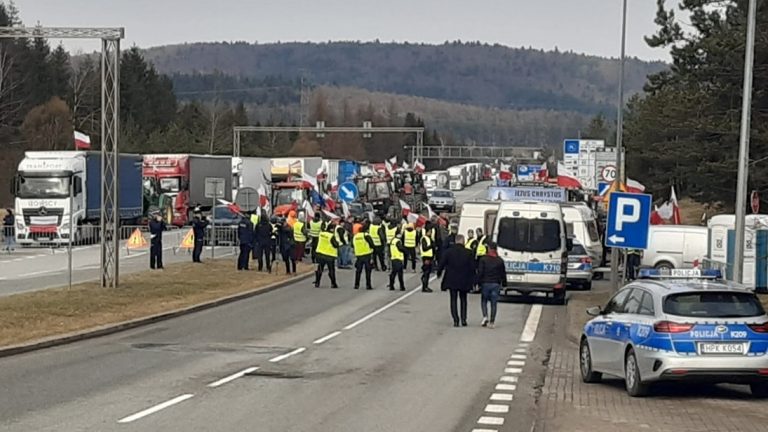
<point>109,329</point>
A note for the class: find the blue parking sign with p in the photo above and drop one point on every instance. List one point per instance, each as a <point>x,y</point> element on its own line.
<point>629,219</point>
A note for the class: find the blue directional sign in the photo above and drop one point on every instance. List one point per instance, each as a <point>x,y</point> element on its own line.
<point>522,170</point>
<point>348,192</point>
<point>571,146</point>
<point>629,216</point>
<point>602,187</point>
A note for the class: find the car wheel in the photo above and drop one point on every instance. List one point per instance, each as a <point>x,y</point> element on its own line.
<point>759,389</point>
<point>632,379</point>
<point>585,364</point>
<point>664,265</point>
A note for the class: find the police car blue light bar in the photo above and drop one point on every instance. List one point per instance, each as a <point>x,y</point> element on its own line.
<point>679,274</point>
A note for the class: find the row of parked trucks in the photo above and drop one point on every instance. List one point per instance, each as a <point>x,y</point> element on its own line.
<point>457,177</point>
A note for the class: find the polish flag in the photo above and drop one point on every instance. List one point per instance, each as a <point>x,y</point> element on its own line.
<point>634,186</point>
<point>389,168</point>
<point>406,166</point>
<point>331,216</point>
<point>504,173</point>
<point>419,167</point>
<point>656,218</point>
<point>676,219</point>
<point>566,179</point>
<point>307,207</point>
<point>234,208</point>
<point>309,181</point>
<point>82,141</point>
<point>392,162</point>
<point>416,219</point>
<point>320,176</point>
<point>430,212</point>
<point>406,208</point>
<point>329,202</point>
<point>264,199</point>
<point>345,209</point>
<point>543,173</point>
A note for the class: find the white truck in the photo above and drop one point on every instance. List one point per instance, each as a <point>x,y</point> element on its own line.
<point>458,175</point>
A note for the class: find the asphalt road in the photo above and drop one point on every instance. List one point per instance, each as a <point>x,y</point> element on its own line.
<point>295,359</point>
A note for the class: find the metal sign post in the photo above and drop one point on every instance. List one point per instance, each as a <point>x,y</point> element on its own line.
<point>71,228</point>
<point>214,187</point>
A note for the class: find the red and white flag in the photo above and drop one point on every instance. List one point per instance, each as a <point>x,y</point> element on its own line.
<point>676,219</point>
<point>321,176</point>
<point>405,207</point>
<point>308,210</point>
<point>419,167</point>
<point>505,173</point>
<point>331,216</point>
<point>406,166</point>
<point>430,212</point>
<point>392,162</point>
<point>634,186</point>
<point>389,168</point>
<point>345,209</point>
<point>329,202</point>
<point>234,208</point>
<point>543,173</point>
<point>566,179</point>
<point>416,219</point>
<point>264,199</point>
<point>82,141</point>
<point>309,181</point>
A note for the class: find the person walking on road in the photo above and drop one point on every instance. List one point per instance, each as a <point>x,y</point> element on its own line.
<point>634,257</point>
<point>285,238</point>
<point>410,241</point>
<point>199,225</point>
<point>364,247</point>
<point>300,235</point>
<point>379,236</point>
<point>245,238</point>
<point>427,249</point>
<point>327,252</point>
<point>458,266</point>
<point>397,258</point>
<point>156,228</point>
<point>491,276</point>
<point>9,231</point>
<point>315,226</point>
<point>262,245</point>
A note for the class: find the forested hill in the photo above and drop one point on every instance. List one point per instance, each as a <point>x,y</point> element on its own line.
<point>469,73</point>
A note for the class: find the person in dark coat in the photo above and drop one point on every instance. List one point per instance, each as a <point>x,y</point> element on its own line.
<point>459,266</point>
<point>245,238</point>
<point>285,240</point>
<point>491,276</point>
<point>199,224</point>
<point>263,243</point>
<point>156,228</point>
<point>9,230</point>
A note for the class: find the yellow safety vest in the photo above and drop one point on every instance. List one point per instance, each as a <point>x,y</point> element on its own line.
<point>470,243</point>
<point>374,232</point>
<point>298,236</point>
<point>410,239</point>
<point>324,245</point>
<point>315,228</point>
<point>429,253</point>
<point>255,220</point>
<point>362,248</point>
<point>394,252</point>
<point>391,233</point>
<point>481,249</point>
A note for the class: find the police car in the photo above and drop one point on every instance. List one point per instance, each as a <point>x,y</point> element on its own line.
<point>678,325</point>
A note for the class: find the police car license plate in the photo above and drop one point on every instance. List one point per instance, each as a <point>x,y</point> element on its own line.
<point>514,277</point>
<point>722,348</point>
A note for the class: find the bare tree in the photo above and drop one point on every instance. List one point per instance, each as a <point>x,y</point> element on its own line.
<point>10,104</point>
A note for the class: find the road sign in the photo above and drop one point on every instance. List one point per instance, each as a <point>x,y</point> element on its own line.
<point>608,173</point>
<point>136,240</point>
<point>348,192</point>
<point>754,200</point>
<point>188,242</point>
<point>629,216</point>
<point>214,187</point>
<point>571,146</point>
<point>602,187</point>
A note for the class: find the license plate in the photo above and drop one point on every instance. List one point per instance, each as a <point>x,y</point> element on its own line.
<point>514,278</point>
<point>722,348</point>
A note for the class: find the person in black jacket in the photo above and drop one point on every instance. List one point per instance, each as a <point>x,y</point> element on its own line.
<point>156,228</point>
<point>491,276</point>
<point>9,229</point>
<point>245,237</point>
<point>199,224</point>
<point>285,238</point>
<point>262,247</point>
<point>459,266</point>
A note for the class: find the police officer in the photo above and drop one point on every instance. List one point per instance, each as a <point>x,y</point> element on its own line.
<point>410,240</point>
<point>481,244</point>
<point>327,252</point>
<point>379,237</point>
<point>156,228</point>
<point>427,249</point>
<point>634,256</point>
<point>364,247</point>
<point>397,257</point>
<point>245,237</point>
<point>299,239</point>
<point>315,226</point>
<point>285,238</point>
<point>470,243</point>
<point>263,244</point>
<point>199,224</point>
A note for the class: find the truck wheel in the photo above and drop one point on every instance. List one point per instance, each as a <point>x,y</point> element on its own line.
<point>664,265</point>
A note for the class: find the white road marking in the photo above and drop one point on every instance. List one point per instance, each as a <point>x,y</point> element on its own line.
<point>327,337</point>
<point>520,350</point>
<point>518,356</point>
<point>232,377</point>
<point>513,370</point>
<point>386,306</point>
<point>484,430</point>
<point>523,344</point>
<point>497,409</point>
<point>531,324</point>
<point>506,387</point>
<point>285,356</point>
<point>155,408</point>
<point>495,421</point>
<point>516,363</point>
<point>506,397</point>
<point>509,379</point>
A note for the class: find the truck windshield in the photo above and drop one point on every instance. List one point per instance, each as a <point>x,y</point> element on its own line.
<point>43,187</point>
<point>377,191</point>
<point>169,184</point>
<point>288,196</point>
<point>529,235</point>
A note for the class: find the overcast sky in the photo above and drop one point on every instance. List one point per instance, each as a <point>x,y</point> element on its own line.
<point>587,26</point>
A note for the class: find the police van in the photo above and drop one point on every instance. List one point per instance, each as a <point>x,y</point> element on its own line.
<point>532,240</point>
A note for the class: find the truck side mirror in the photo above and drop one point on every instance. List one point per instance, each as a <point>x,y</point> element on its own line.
<point>78,185</point>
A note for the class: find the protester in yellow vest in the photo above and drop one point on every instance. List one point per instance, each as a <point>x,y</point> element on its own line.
<point>379,237</point>
<point>481,245</point>
<point>327,252</point>
<point>397,256</point>
<point>299,239</point>
<point>363,246</point>
<point>427,249</point>
<point>410,241</point>
<point>315,226</point>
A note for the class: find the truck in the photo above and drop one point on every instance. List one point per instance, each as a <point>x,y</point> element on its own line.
<point>436,180</point>
<point>181,180</point>
<point>283,169</point>
<point>50,185</point>
<point>348,171</point>
<point>331,168</point>
<point>458,175</point>
<point>250,172</point>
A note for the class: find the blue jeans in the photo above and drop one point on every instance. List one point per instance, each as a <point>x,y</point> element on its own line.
<point>9,242</point>
<point>490,292</point>
<point>345,256</point>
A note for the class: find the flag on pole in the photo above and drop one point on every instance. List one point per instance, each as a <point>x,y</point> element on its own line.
<point>82,141</point>
<point>345,209</point>
<point>566,179</point>
<point>419,167</point>
<point>329,202</point>
<point>634,186</point>
<point>676,219</point>
<point>331,216</point>
<point>307,207</point>
<point>405,207</point>
<point>264,199</point>
<point>416,219</point>
<point>234,208</point>
<point>309,181</point>
<point>392,162</point>
<point>430,212</point>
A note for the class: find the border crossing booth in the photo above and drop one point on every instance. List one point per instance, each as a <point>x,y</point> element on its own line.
<point>721,251</point>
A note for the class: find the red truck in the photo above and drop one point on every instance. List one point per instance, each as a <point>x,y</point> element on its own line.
<point>180,179</point>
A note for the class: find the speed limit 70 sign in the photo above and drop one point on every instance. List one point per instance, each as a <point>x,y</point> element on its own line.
<point>608,173</point>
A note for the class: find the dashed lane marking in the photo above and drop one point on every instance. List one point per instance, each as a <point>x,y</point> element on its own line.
<point>286,355</point>
<point>518,356</point>
<point>506,397</point>
<point>513,370</point>
<point>326,338</point>
<point>509,379</point>
<point>497,408</point>
<point>506,387</point>
<point>233,377</point>
<point>516,363</point>
<point>494,421</point>
<point>386,306</point>
<point>156,408</point>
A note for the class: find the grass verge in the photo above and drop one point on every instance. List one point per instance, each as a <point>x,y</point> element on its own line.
<point>43,314</point>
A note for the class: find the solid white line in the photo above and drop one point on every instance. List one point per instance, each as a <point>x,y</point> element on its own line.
<point>509,379</point>
<point>506,397</point>
<point>155,408</point>
<point>232,377</point>
<point>496,421</point>
<point>531,324</point>
<point>484,430</point>
<point>506,387</point>
<point>497,409</point>
<point>516,363</point>
<point>386,306</point>
<point>513,370</point>
<point>518,356</point>
<point>327,337</point>
<point>285,356</point>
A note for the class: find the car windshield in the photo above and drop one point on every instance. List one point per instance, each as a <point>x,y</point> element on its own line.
<point>223,212</point>
<point>713,305</point>
<point>442,194</point>
<point>169,184</point>
<point>43,187</point>
<point>529,235</point>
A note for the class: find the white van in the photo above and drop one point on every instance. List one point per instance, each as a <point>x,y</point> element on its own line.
<point>675,246</point>
<point>581,223</point>
<point>532,240</point>
<point>478,214</point>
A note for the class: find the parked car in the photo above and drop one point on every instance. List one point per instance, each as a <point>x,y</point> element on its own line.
<point>225,221</point>
<point>442,199</point>
<point>580,268</point>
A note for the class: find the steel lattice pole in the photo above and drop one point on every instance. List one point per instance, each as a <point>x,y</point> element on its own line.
<point>110,132</point>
